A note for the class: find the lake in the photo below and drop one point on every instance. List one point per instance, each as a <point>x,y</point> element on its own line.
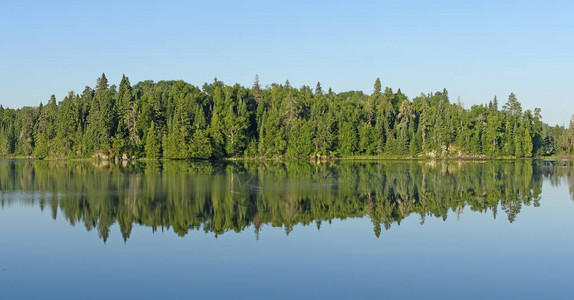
<point>271,230</point>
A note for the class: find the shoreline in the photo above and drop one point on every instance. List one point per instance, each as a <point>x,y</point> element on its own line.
<point>310,159</point>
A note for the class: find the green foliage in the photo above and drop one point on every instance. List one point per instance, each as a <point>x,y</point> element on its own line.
<point>493,135</point>
<point>273,139</point>
<point>153,142</point>
<point>200,146</point>
<point>348,139</point>
<point>6,140</point>
<point>367,140</point>
<point>176,120</point>
<point>301,138</point>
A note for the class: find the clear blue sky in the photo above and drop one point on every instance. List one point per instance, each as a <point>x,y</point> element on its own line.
<point>474,49</point>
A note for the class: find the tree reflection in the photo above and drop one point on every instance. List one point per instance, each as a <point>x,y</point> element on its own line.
<point>222,196</point>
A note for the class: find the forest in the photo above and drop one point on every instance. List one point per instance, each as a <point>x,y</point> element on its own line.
<point>219,197</point>
<point>177,120</point>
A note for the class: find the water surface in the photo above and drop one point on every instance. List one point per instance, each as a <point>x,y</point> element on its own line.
<point>425,229</point>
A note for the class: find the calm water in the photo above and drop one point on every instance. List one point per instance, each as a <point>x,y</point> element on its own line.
<point>495,229</point>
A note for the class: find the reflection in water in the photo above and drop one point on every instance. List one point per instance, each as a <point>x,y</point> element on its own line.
<point>218,197</point>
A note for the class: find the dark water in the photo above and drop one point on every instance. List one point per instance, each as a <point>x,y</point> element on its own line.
<point>423,229</point>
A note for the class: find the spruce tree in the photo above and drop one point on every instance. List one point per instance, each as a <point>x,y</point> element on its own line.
<point>153,142</point>
<point>348,139</point>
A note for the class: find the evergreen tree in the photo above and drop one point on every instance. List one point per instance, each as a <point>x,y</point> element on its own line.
<point>512,107</point>
<point>318,90</point>
<point>373,102</point>
<point>526,143</point>
<point>24,126</point>
<point>176,120</point>
<point>537,134</point>
<point>217,124</point>
<point>200,145</point>
<point>257,95</point>
<point>493,133</point>
<point>107,118</point>
<point>6,140</point>
<point>274,139</point>
<point>348,139</point>
<point>367,140</point>
<point>300,139</point>
<point>236,123</point>
<point>127,112</point>
<point>153,142</point>
<point>290,108</point>
<point>44,129</point>
<point>424,123</point>
<point>67,128</point>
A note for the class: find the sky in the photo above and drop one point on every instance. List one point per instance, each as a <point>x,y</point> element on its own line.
<point>474,49</point>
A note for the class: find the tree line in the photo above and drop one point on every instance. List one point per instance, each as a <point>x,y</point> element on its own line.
<point>222,197</point>
<point>177,120</point>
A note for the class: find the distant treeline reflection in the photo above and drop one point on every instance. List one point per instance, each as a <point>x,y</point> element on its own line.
<point>224,196</point>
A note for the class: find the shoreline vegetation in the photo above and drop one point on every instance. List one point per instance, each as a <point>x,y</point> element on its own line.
<point>310,158</point>
<point>176,120</point>
<point>128,162</point>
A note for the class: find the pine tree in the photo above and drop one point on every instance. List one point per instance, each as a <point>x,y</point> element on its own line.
<point>236,123</point>
<point>372,102</point>
<point>493,128</point>
<point>127,111</point>
<point>45,129</point>
<point>153,142</point>
<point>348,139</point>
<point>101,119</point>
<point>257,95</point>
<point>274,139</point>
<point>66,127</point>
<point>425,124</point>
<point>537,134</point>
<point>107,118</point>
<point>290,108</point>
<point>200,146</point>
<point>406,115</point>
<point>367,140</point>
<point>300,139</point>
<point>6,140</point>
<point>217,126</point>
<point>385,120</point>
<point>318,90</point>
<point>24,127</point>
<point>415,145</point>
<point>325,136</point>
<point>513,107</point>
<point>178,120</point>
<point>526,139</point>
